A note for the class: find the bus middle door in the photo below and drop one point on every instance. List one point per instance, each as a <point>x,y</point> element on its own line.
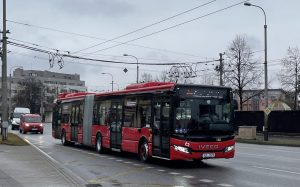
<point>116,124</point>
<point>74,122</point>
<point>161,128</point>
<point>56,121</point>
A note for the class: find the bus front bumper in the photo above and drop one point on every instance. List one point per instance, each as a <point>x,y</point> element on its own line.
<point>180,152</point>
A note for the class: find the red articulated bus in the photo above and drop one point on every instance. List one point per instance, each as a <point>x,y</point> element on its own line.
<point>156,119</point>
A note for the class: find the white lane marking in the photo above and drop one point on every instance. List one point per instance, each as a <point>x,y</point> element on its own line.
<point>127,162</point>
<point>278,170</point>
<point>278,150</point>
<point>149,167</point>
<point>137,164</point>
<point>174,173</point>
<point>206,180</point>
<point>161,170</point>
<point>267,156</point>
<point>119,160</point>
<point>188,176</point>
<point>225,185</point>
<point>110,158</point>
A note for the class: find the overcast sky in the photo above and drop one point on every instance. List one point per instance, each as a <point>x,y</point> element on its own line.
<point>84,23</point>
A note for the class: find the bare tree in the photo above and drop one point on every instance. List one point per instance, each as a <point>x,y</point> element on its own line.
<point>29,95</point>
<point>180,74</point>
<point>290,73</point>
<point>240,70</point>
<point>146,77</point>
<point>163,77</point>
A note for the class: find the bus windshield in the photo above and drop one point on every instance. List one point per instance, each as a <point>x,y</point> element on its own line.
<point>202,116</point>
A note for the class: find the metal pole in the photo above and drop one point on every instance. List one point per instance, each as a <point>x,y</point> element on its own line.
<point>112,84</point>
<point>112,80</point>
<point>4,77</point>
<point>221,69</point>
<point>137,66</point>
<point>10,92</point>
<point>265,129</point>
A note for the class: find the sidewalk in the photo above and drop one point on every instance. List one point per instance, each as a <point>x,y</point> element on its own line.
<point>26,166</point>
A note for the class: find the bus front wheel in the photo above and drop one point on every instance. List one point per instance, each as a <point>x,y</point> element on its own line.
<point>63,138</point>
<point>144,151</point>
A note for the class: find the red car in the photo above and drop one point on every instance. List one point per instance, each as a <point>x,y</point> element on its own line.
<point>31,123</point>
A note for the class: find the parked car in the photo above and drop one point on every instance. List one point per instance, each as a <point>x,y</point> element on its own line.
<point>31,123</point>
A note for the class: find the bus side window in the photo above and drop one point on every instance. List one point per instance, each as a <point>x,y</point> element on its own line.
<point>144,112</point>
<point>130,108</point>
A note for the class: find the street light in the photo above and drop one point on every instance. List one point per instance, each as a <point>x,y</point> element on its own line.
<point>266,68</point>
<point>10,95</point>
<point>112,80</point>
<point>137,66</point>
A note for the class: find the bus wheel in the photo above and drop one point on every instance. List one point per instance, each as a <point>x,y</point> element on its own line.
<point>99,147</point>
<point>63,138</point>
<point>144,152</point>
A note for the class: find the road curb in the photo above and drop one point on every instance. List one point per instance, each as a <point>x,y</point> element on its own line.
<point>72,178</point>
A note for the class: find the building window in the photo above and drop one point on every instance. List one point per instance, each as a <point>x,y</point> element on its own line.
<point>33,74</point>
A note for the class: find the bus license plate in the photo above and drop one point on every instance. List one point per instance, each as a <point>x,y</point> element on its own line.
<point>34,129</point>
<point>208,155</point>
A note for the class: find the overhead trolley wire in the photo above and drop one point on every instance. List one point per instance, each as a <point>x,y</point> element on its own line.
<point>56,52</point>
<point>168,28</point>
<point>145,27</point>
<point>94,37</point>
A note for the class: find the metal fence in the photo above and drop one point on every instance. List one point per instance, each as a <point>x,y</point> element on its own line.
<point>278,121</point>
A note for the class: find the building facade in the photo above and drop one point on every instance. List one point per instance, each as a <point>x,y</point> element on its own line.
<point>255,99</point>
<point>54,83</point>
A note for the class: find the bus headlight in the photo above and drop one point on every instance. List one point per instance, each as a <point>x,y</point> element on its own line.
<point>26,125</point>
<point>182,149</point>
<point>229,148</point>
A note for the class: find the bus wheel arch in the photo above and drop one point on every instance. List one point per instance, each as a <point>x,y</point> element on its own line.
<point>99,143</point>
<point>143,150</point>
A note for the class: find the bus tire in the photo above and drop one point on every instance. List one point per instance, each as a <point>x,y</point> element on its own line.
<point>63,138</point>
<point>99,146</point>
<point>144,151</point>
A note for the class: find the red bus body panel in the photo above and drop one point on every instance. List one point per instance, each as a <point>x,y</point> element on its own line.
<point>105,133</point>
<point>132,136</point>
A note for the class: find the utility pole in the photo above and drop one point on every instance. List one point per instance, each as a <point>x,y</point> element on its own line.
<point>221,68</point>
<point>296,87</point>
<point>4,125</point>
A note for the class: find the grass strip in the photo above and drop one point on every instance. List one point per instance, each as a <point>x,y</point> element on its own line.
<point>13,139</point>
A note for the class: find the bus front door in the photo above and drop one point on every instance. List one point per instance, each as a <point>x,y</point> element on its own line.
<point>161,128</point>
<point>115,124</point>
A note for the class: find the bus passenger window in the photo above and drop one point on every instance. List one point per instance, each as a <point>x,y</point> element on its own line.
<point>130,112</point>
<point>144,112</point>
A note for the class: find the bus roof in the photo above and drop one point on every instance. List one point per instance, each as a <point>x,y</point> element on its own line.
<point>149,87</point>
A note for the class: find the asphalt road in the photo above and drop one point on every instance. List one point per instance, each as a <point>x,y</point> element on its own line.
<point>253,165</point>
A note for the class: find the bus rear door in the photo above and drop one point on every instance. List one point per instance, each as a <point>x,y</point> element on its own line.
<point>56,121</point>
<point>161,128</point>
